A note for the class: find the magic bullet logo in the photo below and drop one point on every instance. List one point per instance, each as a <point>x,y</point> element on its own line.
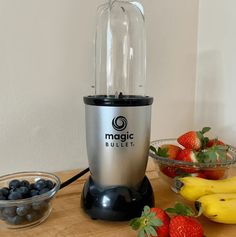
<point>124,139</point>
<point>119,123</point>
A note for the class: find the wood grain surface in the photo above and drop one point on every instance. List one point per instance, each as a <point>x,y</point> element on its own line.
<point>68,219</point>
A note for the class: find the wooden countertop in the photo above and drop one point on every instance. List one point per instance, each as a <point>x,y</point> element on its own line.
<point>68,219</point>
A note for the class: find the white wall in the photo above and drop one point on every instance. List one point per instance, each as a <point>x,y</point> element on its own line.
<point>46,53</point>
<point>216,81</point>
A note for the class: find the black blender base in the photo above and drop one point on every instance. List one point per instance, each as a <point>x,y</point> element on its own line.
<point>117,203</point>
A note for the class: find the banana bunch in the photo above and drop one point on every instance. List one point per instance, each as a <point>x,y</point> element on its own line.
<point>215,199</point>
<point>192,188</point>
<point>220,207</point>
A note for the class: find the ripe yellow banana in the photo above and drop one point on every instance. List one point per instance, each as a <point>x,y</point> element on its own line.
<point>218,207</point>
<point>192,188</point>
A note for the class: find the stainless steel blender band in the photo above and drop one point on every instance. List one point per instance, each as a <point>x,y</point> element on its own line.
<point>118,139</point>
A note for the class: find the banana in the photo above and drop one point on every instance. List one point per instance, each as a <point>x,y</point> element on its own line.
<point>192,188</point>
<point>218,207</point>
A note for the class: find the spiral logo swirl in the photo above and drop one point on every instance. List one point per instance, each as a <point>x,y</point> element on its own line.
<point>119,123</point>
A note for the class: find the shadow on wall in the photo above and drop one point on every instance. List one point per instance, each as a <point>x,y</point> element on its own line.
<point>209,89</point>
<point>210,93</point>
<point>212,107</point>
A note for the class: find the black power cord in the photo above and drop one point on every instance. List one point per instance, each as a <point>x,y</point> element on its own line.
<point>74,178</point>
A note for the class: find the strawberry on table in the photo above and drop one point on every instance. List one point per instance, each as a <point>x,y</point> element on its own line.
<point>194,139</point>
<point>164,229</point>
<point>184,224</point>
<point>153,222</point>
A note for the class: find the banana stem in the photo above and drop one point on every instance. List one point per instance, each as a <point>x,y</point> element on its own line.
<point>178,184</point>
<point>198,207</point>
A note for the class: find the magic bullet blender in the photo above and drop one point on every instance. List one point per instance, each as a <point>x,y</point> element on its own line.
<point>118,116</point>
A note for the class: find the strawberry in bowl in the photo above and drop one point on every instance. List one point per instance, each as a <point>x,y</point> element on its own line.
<point>193,154</point>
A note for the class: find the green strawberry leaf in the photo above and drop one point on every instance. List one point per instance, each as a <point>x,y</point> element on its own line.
<point>163,152</point>
<point>205,129</point>
<point>146,224</point>
<point>152,231</point>
<point>201,157</point>
<point>141,233</point>
<point>181,209</point>
<point>213,154</point>
<point>146,210</point>
<point>151,215</point>
<point>147,232</point>
<point>156,222</point>
<point>152,148</point>
<point>135,224</point>
<point>205,141</point>
<point>185,210</point>
<point>170,210</point>
<point>222,155</point>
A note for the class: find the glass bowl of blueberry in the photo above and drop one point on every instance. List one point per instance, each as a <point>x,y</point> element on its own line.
<point>26,198</point>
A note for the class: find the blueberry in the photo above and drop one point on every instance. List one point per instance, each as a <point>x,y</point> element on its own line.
<point>31,186</point>
<point>4,191</point>
<point>50,184</point>
<point>37,205</point>
<point>40,206</point>
<point>1,215</point>
<point>32,216</point>
<point>44,207</point>
<point>25,183</point>
<point>15,183</point>
<point>40,184</point>
<point>2,197</point>
<point>15,220</point>
<point>34,192</point>
<point>23,210</point>
<point>15,195</point>
<point>24,191</point>
<point>44,190</point>
<point>9,212</point>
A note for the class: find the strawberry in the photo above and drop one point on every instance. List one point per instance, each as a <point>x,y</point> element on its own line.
<point>214,174</point>
<point>199,174</point>
<point>153,222</point>
<point>167,150</point>
<point>187,155</point>
<point>171,150</point>
<point>215,141</point>
<point>169,171</point>
<point>184,224</point>
<point>194,139</point>
<point>164,229</point>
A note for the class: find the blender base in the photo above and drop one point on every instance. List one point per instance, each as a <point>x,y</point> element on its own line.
<point>118,203</point>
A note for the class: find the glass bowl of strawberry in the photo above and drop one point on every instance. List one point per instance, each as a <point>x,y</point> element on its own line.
<point>193,154</point>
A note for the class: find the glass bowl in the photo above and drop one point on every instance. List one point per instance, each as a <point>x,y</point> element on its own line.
<point>36,207</point>
<point>171,168</point>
